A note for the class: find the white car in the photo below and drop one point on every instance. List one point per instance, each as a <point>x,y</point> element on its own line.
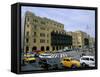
<point>87,61</point>
<point>45,56</point>
<point>59,51</point>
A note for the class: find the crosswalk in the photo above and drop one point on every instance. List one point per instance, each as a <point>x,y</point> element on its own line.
<point>72,54</point>
<point>59,55</point>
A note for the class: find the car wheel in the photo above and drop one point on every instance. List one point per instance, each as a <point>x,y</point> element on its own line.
<point>83,65</point>
<point>23,63</point>
<point>46,67</point>
<point>73,66</point>
<point>55,66</point>
<point>34,61</point>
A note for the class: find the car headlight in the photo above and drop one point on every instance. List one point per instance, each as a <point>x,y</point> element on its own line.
<point>93,63</point>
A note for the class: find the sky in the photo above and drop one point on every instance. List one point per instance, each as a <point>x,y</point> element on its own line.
<point>73,19</point>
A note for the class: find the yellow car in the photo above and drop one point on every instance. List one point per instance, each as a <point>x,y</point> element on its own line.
<point>70,63</point>
<point>29,58</point>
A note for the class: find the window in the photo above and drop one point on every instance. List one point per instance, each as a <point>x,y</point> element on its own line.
<point>42,28</point>
<point>60,47</point>
<point>91,59</point>
<point>42,41</point>
<point>27,49</point>
<point>57,47</point>
<point>42,48</point>
<point>42,34</point>
<point>27,18</point>
<point>47,35</point>
<point>35,27</point>
<point>53,48</point>
<point>47,41</point>
<point>35,20</point>
<point>64,59</point>
<point>27,25</point>
<point>80,46</point>
<point>55,24</point>
<point>42,22</point>
<point>34,33</point>
<point>67,60</point>
<point>85,58</point>
<point>27,40</point>
<point>34,48</point>
<point>78,43</point>
<point>47,48</point>
<point>34,40</point>
<point>27,33</point>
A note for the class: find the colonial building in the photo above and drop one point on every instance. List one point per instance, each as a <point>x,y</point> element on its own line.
<point>79,39</point>
<point>60,40</point>
<point>91,42</point>
<point>44,34</point>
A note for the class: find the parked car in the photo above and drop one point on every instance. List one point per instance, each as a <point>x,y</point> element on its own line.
<point>87,61</point>
<point>29,58</point>
<point>38,51</point>
<point>45,56</point>
<point>28,55</point>
<point>47,62</point>
<point>44,64</point>
<point>59,51</point>
<point>70,63</point>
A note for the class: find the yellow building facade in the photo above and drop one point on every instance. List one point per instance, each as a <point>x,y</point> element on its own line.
<point>37,32</point>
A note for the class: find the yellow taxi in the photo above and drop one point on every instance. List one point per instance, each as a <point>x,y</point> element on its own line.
<point>29,58</point>
<point>70,63</point>
<point>38,51</point>
<point>41,52</point>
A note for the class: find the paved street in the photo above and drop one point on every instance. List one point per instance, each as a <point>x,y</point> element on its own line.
<point>73,54</point>
<point>56,57</point>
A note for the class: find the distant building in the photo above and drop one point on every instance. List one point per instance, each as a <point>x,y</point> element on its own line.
<point>44,34</point>
<point>91,42</point>
<point>79,39</point>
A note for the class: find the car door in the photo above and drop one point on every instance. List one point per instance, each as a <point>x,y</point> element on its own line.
<point>67,62</point>
<point>91,62</point>
<point>87,61</point>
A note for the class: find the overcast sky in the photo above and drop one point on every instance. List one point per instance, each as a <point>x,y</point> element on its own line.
<point>73,19</point>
